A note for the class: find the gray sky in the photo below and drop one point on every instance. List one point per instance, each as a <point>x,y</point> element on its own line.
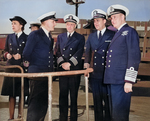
<point>30,10</point>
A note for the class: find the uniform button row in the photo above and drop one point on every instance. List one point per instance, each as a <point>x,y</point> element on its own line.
<point>95,64</point>
<point>102,50</point>
<point>109,56</point>
<point>69,55</point>
<point>110,51</point>
<point>65,49</point>
<point>108,66</point>
<point>96,57</point>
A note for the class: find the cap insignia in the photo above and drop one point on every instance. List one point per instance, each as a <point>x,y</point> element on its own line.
<point>70,17</point>
<point>95,13</point>
<point>112,9</point>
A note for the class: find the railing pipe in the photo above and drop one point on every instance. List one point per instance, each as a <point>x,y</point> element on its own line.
<point>49,75</point>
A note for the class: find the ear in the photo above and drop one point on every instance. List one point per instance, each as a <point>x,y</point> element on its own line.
<point>75,25</point>
<point>104,21</point>
<point>123,17</point>
<point>21,26</point>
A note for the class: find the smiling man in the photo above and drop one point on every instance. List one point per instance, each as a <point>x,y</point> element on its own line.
<point>39,53</point>
<point>95,57</point>
<point>69,50</point>
<point>123,58</point>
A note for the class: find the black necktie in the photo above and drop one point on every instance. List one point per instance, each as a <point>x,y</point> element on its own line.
<point>17,39</point>
<point>100,35</point>
<point>50,37</point>
<point>69,36</point>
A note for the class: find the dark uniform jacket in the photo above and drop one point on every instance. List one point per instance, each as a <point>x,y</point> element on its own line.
<point>12,86</point>
<point>70,50</point>
<point>39,52</point>
<point>95,53</point>
<point>13,47</point>
<point>123,57</point>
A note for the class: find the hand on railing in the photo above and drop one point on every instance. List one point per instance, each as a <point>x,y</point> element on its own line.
<point>86,74</point>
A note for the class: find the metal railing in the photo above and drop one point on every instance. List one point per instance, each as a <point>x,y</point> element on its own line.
<point>49,75</point>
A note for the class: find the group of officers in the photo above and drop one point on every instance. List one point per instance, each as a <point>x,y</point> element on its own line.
<point>113,55</point>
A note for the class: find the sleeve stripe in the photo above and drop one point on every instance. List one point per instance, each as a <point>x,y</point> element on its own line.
<point>60,59</point>
<point>131,74</point>
<point>74,60</point>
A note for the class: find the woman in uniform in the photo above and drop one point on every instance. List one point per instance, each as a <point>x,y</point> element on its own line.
<point>14,46</point>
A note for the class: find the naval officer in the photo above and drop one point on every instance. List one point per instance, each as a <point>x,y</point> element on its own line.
<point>14,46</point>
<point>123,58</point>
<point>96,48</point>
<point>69,50</point>
<point>34,26</point>
<point>39,53</point>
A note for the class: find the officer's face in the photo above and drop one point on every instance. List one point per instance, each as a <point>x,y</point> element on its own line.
<point>16,26</point>
<point>70,26</point>
<point>99,23</point>
<point>49,24</point>
<point>33,28</point>
<point>117,20</point>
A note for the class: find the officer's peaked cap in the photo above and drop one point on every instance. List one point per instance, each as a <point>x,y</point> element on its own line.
<point>49,15</point>
<point>115,9</point>
<point>32,23</point>
<point>71,18</point>
<point>98,13</point>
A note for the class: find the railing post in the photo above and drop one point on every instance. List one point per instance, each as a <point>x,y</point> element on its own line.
<point>87,97</point>
<point>22,98</point>
<point>50,98</point>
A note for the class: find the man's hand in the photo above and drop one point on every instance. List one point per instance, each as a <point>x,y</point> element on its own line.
<point>128,87</point>
<point>17,56</point>
<point>66,66</point>
<point>9,56</point>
